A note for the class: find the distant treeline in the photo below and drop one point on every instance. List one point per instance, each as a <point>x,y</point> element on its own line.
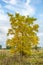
<point>8,47</point>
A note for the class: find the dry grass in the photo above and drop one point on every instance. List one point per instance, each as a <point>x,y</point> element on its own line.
<point>7,59</point>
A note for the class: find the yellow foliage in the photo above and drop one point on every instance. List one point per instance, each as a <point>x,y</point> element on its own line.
<point>25,33</point>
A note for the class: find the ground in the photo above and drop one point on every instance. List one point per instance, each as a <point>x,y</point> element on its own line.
<point>6,58</point>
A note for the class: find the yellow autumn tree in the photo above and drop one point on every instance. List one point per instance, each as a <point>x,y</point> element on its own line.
<point>24,33</point>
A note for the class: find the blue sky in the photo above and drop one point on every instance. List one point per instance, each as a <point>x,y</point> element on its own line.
<point>24,7</point>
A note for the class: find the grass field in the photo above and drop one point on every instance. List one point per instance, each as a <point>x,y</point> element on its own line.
<point>35,59</point>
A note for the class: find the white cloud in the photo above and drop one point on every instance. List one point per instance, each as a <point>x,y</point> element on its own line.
<point>13,1</point>
<point>29,10</point>
<point>40,34</point>
<point>24,9</point>
<point>3,33</point>
<point>3,16</point>
<point>3,23</point>
<point>9,7</point>
<point>3,26</point>
<point>6,1</point>
<point>4,29</point>
<point>1,10</point>
<point>28,2</point>
<point>10,1</point>
<point>41,15</point>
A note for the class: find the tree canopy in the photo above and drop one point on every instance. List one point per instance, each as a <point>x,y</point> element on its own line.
<point>24,33</point>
